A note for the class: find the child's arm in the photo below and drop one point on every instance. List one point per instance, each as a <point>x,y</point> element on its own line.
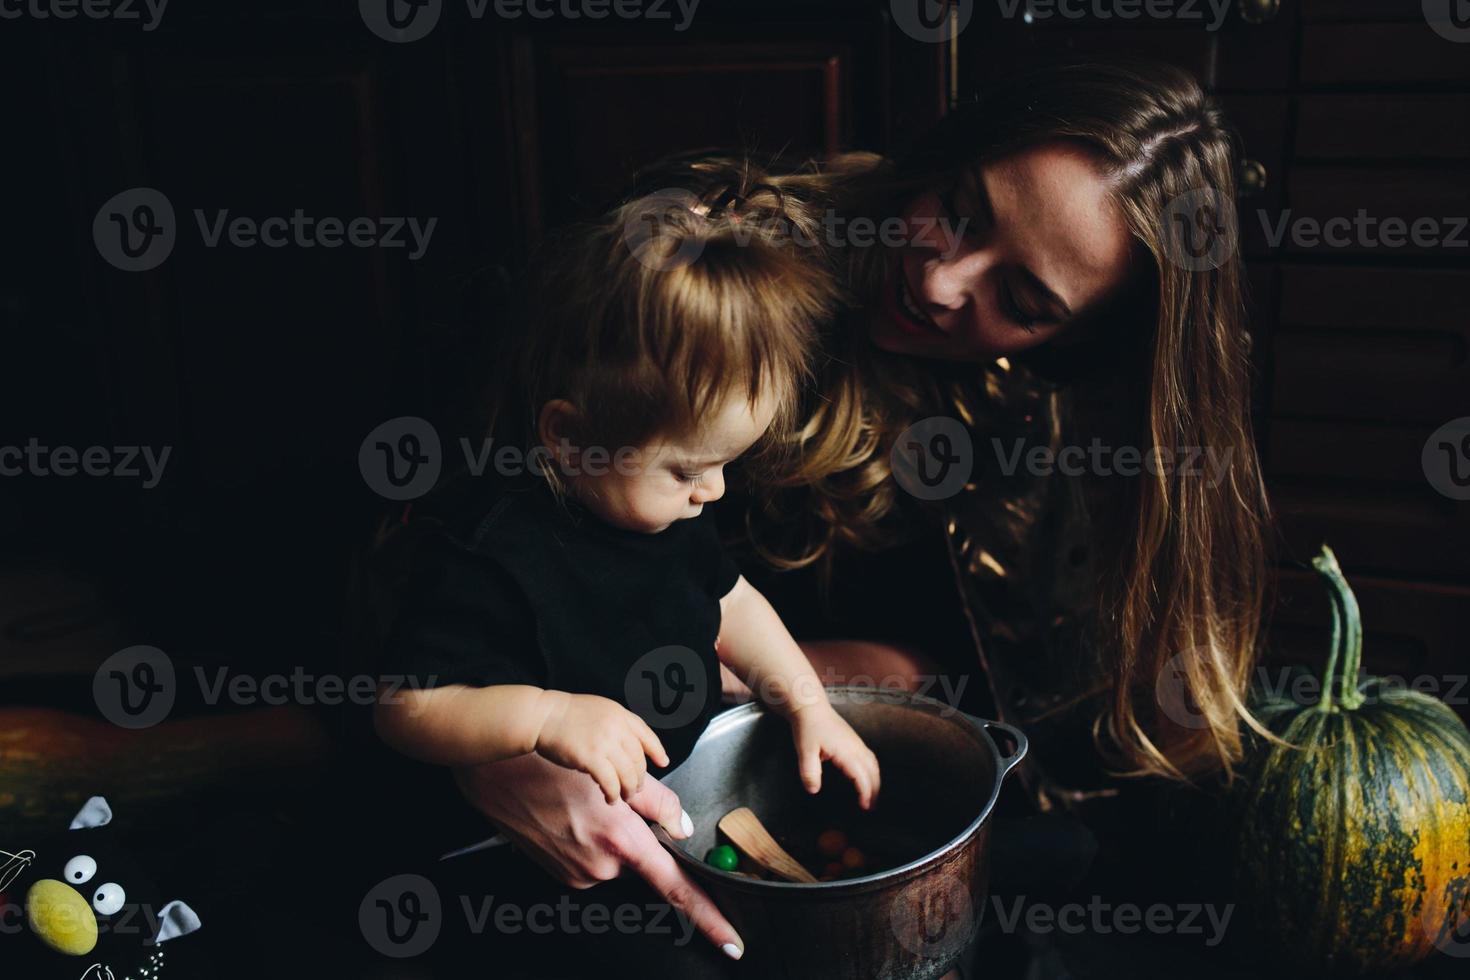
<point>756,645</point>
<point>458,725</point>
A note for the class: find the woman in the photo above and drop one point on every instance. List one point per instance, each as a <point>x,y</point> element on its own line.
<point>1048,236</point>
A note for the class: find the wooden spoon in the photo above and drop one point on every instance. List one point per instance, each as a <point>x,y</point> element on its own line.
<point>746,832</point>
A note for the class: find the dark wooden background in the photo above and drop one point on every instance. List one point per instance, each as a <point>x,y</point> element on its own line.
<point>265,368</point>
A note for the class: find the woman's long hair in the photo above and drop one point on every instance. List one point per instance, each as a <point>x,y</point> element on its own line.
<point>1182,591</point>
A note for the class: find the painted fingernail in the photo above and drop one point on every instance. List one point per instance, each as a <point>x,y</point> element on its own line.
<point>685,824</point>
<point>732,951</point>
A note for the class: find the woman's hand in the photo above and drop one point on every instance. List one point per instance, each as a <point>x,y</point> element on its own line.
<point>601,738</point>
<point>559,818</point>
<point>821,733</point>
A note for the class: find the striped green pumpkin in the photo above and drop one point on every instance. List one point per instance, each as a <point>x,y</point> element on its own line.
<point>1354,850</point>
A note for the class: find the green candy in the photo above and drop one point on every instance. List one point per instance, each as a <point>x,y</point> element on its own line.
<point>722,857</point>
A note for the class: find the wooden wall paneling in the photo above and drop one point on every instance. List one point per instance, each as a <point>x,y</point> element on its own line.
<point>1262,124</point>
<point>1372,127</point>
<point>1412,632</point>
<point>1435,193</point>
<point>1381,54</point>
<point>601,111</point>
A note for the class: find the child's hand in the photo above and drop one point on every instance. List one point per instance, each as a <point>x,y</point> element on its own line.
<point>821,733</point>
<point>603,739</point>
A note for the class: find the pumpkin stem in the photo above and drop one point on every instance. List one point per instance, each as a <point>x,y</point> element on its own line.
<point>1348,647</point>
<point>1329,676</point>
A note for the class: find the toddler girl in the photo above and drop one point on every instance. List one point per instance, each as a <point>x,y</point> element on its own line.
<point>584,611</point>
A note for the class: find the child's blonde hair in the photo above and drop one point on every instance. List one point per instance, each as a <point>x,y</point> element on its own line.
<point>673,304</point>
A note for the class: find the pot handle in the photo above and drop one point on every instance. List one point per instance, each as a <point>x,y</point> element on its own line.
<point>1007,762</point>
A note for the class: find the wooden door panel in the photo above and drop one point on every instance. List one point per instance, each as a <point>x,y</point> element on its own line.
<point>1389,54</point>
<point>603,111</point>
<point>1409,530</point>
<point>1382,127</point>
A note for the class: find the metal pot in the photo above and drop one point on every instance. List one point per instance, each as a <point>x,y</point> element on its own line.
<point>942,772</point>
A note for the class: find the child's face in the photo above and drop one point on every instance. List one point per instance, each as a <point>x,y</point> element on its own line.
<point>673,477</point>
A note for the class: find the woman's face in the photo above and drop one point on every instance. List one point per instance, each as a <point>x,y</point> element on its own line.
<point>1041,244</point>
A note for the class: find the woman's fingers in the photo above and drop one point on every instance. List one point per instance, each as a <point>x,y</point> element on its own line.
<point>656,866</point>
<point>658,803</point>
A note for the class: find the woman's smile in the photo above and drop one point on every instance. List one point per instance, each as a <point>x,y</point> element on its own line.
<point>910,318</point>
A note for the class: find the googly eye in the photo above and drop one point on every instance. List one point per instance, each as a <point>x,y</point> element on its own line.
<point>109,898</point>
<point>79,870</point>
